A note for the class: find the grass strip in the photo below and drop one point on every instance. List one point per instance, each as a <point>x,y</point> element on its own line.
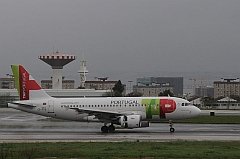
<point>127,150</point>
<point>203,119</point>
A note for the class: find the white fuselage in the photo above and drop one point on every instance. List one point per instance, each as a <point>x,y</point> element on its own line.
<point>67,108</point>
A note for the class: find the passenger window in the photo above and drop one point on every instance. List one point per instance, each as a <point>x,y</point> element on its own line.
<point>182,104</point>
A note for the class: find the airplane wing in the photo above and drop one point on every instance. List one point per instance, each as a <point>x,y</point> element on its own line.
<point>101,114</point>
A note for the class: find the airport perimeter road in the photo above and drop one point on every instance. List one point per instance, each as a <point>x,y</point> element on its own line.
<point>17,126</point>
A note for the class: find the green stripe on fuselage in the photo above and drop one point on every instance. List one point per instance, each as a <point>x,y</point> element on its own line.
<point>152,107</point>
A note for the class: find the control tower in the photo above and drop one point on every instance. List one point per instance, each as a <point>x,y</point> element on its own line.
<point>57,60</point>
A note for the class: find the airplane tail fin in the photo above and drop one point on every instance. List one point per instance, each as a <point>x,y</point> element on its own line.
<point>27,87</point>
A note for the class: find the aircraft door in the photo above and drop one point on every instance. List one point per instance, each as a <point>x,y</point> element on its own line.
<point>50,106</point>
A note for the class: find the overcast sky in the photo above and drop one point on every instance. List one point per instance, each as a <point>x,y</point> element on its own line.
<point>122,38</point>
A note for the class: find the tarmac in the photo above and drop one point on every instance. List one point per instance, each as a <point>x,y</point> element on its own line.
<point>16,126</point>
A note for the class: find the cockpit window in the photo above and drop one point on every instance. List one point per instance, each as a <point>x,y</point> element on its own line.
<point>185,104</point>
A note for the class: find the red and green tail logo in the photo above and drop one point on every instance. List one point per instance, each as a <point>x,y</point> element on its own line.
<point>24,82</point>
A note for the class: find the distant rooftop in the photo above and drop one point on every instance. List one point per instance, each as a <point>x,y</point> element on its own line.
<point>227,80</point>
<point>101,81</point>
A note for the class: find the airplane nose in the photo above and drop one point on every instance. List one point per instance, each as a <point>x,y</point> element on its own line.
<point>196,111</point>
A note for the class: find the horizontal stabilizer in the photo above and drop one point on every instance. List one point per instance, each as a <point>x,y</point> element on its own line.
<point>24,105</point>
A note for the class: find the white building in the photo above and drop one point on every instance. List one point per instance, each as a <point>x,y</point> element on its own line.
<point>66,84</point>
<point>224,104</point>
<point>226,88</point>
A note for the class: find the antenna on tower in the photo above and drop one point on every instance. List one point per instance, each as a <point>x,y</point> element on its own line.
<point>83,72</point>
<point>53,49</point>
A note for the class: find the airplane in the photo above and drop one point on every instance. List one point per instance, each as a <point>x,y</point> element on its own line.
<point>123,112</point>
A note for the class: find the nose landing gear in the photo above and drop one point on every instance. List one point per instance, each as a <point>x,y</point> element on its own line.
<point>172,130</point>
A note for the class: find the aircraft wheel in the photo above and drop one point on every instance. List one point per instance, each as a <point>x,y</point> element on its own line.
<point>111,128</point>
<point>104,129</point>
<point>172,130</point>
<point>171,126</point>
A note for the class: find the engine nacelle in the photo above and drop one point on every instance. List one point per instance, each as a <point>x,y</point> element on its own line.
<point>132,121</point>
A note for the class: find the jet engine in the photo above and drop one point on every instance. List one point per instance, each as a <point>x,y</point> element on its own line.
<point>132,121</point>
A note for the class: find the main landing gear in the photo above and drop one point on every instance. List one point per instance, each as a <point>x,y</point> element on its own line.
<point>171,126</point>
<point>108,129</point>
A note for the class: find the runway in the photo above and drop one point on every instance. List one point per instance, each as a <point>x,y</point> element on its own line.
<point>16,126</point>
